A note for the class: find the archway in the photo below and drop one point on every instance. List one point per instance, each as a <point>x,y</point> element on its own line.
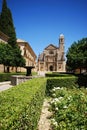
<point>51,68</point>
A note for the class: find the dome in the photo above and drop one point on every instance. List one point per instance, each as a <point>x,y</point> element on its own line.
<point>61,35</point>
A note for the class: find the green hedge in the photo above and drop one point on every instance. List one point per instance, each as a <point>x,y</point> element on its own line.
<point>20,106</point>
<point>56,74</point>
<point>82,80</point>
<point>7,76</point>
<point>60,82</point>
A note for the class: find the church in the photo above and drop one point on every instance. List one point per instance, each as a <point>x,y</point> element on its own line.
<point>52,58</point>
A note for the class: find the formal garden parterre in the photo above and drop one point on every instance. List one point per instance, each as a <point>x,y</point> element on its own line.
<point>20,106</point>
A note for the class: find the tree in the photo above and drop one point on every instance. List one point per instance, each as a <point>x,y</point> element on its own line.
<point>4,18</point>
<point>7,27</point>
<point>11,57</point>
<point>2,53</point>
<point>18,60</point>
<point>6,24</point>
<point>6,55</point>
<point>77,55</point>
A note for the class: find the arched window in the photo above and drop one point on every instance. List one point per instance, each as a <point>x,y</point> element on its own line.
<point>51,52</point>
<point>51,68</point>
<point>61,39</point>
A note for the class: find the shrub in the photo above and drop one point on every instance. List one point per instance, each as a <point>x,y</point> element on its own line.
<point>20,106</point>
<point>7,76</point>
<point>69,82</point>
<point>69,107</point>
<point>56,74</point>
<point>82,80</point>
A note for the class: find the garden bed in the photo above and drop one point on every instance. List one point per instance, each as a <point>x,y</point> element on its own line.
<point>69,108</point>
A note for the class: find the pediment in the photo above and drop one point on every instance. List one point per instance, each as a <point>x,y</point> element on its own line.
<point>51,47</point>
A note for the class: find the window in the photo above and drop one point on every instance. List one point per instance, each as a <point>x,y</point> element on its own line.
<point>51,52</point>
<point>61,40</point>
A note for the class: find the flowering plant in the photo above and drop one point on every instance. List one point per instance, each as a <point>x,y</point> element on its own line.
<point>69,107</point>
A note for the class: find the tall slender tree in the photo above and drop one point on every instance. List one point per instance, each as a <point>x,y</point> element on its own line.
<point>4,18</point>
<point>6,24</point>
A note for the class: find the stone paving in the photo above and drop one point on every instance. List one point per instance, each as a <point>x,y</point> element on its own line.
<point>44,123</point>
<point>5,85</point>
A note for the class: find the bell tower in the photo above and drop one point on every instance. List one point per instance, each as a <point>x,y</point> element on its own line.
<point>61,42</point>
<point>61,62</point>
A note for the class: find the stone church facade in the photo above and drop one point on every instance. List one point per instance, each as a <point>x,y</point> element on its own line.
<point>52,58</point>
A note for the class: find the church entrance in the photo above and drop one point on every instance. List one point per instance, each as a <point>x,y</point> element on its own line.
<point>51,68</point>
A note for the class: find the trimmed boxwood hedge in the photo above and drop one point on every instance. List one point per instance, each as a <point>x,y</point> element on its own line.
<point>20,106</point>
<point>60,82</point>
<point>82,80</point>
<point>56,74</point>
<point>7,76</point>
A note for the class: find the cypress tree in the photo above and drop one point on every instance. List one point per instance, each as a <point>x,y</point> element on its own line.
<point>6,24</point>
<point>4,18</point>
<point>7,27</point>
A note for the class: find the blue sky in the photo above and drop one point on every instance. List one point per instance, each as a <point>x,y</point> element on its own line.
<point>40,22</point>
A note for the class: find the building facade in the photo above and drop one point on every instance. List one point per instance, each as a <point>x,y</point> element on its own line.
<point>26,51</point>
<point>3,37</point>
<point>52,58</point>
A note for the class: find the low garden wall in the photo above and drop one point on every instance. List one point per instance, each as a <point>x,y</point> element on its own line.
<point>17,79</point>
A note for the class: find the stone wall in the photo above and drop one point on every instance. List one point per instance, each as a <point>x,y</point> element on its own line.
<point>15,79</point>
<point>18,79</point>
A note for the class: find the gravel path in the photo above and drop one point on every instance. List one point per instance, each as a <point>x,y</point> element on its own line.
<point>44,123</point>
